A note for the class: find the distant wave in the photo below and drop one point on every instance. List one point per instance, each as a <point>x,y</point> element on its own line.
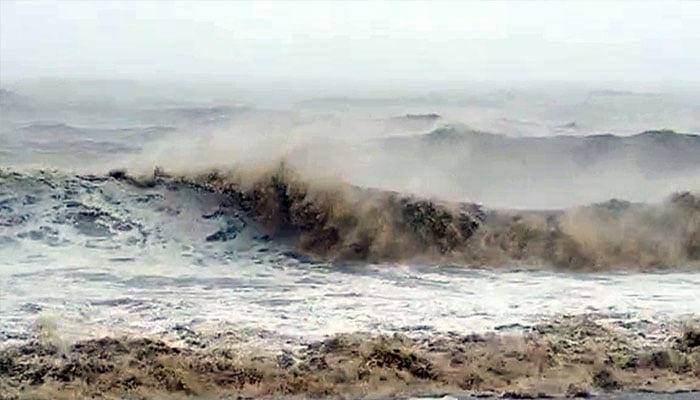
<point>652,152</point>
<point>195,115</point>
<point>44,137</point>
<point>58,130</point>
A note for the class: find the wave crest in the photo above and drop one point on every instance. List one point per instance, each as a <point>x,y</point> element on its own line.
<point>338,221</point>
<point>346,222</point>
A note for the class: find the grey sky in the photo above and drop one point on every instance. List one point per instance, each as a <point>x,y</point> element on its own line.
<point>468,41</point>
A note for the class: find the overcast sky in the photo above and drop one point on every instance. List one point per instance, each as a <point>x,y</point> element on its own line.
<point>467,41</point>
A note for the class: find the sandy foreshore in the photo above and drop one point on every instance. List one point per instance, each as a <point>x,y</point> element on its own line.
<point>575,356</point>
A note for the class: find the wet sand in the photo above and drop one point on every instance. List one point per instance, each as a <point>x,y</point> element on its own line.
<point>567,357</point>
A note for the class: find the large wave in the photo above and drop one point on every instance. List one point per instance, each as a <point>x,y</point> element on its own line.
<point>338,221</point>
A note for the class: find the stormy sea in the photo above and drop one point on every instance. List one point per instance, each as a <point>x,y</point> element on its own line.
<point>162,241</point>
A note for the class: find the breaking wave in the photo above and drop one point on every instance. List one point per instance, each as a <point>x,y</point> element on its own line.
<point>345,222</point>
<point>340,222</point>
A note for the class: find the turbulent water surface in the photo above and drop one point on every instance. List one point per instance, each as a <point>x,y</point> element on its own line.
<point>103,256</point>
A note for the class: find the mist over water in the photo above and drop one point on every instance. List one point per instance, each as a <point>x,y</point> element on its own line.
<point>476,144</point>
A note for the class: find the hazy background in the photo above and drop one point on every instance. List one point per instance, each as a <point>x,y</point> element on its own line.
<point>358,41</point>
